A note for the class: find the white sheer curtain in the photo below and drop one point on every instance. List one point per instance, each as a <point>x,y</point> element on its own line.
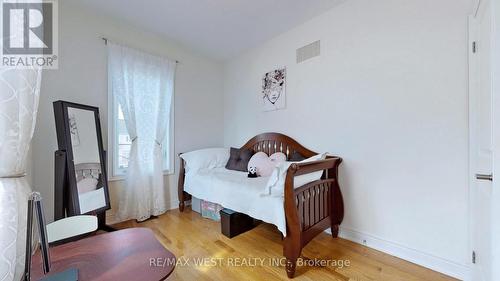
<point>19,94</point>
<point>143,84</point>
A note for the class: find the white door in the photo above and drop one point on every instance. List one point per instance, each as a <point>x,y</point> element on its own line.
<point>481,149</point>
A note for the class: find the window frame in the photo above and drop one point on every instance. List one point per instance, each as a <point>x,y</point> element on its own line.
<point>116,174</point>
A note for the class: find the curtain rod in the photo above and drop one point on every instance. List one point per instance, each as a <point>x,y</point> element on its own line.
<point>106,43</point>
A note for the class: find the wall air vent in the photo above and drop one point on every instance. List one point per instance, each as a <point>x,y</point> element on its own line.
<point>308,51</point>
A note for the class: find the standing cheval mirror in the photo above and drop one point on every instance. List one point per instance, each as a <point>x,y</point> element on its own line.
<point>81,185</point>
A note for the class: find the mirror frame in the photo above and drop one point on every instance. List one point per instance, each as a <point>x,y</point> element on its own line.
<point>64,144</point>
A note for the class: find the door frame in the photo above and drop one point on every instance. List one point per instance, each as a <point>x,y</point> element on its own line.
<point>495,204</point>
<point>472,90</point>
<point>494,271</point>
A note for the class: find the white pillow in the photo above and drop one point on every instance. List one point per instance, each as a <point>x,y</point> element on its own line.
<point>209,158</point>
<point>276,182</point>
<point>86,185</point>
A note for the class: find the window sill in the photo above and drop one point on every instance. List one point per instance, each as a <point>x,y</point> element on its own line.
<point>122,177</point>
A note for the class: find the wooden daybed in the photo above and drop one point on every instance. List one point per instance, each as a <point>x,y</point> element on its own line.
<point>309,209</point>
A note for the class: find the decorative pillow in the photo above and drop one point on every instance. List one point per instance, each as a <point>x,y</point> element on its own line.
<point>238,159</point>
<point>277,158</point>
<point>264,164</point>
<point>296,157</point>
<point>205,158</point>
<point>260,162</point>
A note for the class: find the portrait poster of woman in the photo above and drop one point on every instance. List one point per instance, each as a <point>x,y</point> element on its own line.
<point>274,90</point>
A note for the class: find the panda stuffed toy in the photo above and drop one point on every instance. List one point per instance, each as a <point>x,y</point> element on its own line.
<point>252,172</point>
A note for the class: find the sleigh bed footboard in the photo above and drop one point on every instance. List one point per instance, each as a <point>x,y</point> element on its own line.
<point>311,208</point>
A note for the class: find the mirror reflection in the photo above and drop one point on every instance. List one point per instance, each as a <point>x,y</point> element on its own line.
<point>89,179</point>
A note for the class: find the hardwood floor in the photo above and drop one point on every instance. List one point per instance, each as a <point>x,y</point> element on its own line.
<point>250,255</point>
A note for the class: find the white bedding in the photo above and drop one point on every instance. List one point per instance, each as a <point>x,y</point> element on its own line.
<point>235,191</point>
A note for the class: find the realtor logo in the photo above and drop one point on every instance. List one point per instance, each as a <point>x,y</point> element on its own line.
<point>29,32</point>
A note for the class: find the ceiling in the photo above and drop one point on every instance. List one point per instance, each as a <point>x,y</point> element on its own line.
<point>220,29</point>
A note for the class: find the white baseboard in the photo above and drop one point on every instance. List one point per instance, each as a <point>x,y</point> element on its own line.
<point>450,268</point>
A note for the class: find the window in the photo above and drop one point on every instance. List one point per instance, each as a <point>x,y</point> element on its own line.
<point>140,85</point>
<point>123,142</point>
<point>120,143</point>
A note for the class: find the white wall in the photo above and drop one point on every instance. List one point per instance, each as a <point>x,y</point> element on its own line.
<point>82,78</point>
<point>389,95</point>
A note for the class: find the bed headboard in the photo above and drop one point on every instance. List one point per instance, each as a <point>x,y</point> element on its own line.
<point>87,170</point>
<point>270,143</point>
